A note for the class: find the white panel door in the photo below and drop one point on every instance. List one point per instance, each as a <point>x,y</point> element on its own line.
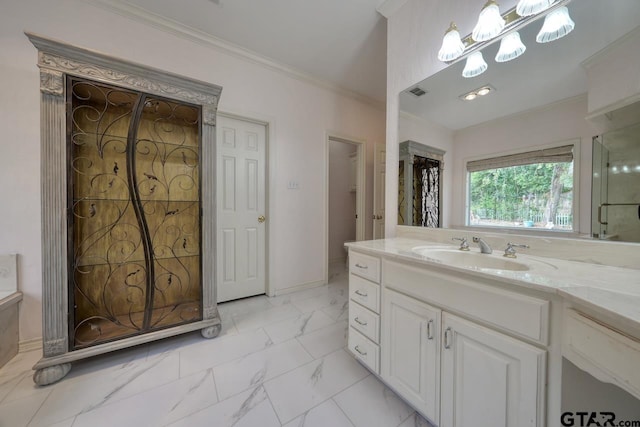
<point>241,168</point>
<point>379,171</point>
<point>410,351</point>
<point>489,379</point>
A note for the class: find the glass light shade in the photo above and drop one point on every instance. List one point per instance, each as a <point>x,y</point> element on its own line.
<point>490,23</point>
<point>557,24</point>
<point>531,7</point>
<point>475,65</point>
<point>510,47</point>
<point>452,46</point>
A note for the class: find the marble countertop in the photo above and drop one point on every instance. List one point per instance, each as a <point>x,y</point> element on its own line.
<point>613,291</point>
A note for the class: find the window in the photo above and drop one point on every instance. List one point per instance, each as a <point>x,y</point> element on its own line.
<point>532,190</point>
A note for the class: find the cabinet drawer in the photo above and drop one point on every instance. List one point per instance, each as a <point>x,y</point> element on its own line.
<point>364,292</point>
<point>364,265</point>
<point>519,314</point>
<point>364,321</point>
<point>364,350</point>
<point>603,352</point>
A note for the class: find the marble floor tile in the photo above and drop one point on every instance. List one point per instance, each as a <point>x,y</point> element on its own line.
<point>323,415</point>
<point>159,406</point>
<point>19,412</point>
<point>244,306</point>
<point>326,340</point>
<point>65,423</point>
<point>249,409</point>
<point>252,370</point>
<point>316,303</point>
<point>104,364</point>
<point>297,391</point>
<point>259,319</point>
<point>337,312</point>
<point>9,381</point>
<point>370,403</point>
<point>298,326</point>
<point>24,388</point>
<point>272,365</point>
<point>209,353</point>
<point>415,420</point>
<point>292,297</point>
<point>71,398</point>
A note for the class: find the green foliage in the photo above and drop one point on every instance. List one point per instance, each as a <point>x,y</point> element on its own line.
<point>515,193</point>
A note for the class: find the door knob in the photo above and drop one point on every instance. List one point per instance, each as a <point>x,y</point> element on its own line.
<point>261,219</point>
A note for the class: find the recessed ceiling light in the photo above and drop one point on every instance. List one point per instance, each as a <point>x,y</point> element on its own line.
<point>473,94</point>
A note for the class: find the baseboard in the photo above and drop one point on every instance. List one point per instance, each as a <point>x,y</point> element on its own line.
<point>30,345</point>
<point>301,287</point>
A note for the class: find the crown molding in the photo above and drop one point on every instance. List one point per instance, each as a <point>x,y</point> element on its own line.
<point>389,7</point>
<point>602,53</point>
<point>179,29</point>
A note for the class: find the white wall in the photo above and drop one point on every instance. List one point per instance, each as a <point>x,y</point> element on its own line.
<point>299,115</point>
<point>342,201</point>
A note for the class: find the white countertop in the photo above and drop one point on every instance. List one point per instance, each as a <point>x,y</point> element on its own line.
<point>613,291</point>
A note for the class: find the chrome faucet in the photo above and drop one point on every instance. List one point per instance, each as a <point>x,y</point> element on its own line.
<point>484,246</point>
<point>510,252</point>
<point>464,245</point>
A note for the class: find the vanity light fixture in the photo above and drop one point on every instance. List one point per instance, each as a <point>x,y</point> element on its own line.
<point>481,91</point>
<point>557,24</point>
<point>490,22</point>
<point>532,7</point>
<point>492,26</point>
<point>510,47</point>
<point>475,65</point>
<point>452,46</point>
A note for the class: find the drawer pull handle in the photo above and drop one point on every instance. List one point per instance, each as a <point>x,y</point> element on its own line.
<point>356,348</point>
<point>362,294</point>
<point>360,322</point>
<point>429,331</point>
<point>447,338</point>
<point>364,267</point>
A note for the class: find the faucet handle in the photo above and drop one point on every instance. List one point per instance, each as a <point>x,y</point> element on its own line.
<point>510,252</point>
<point>464,245</point>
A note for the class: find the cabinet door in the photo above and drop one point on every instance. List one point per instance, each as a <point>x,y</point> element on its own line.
<point>410,351</point>
<point>489,379</point>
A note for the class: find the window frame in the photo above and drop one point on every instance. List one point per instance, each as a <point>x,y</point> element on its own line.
<point>575,208</point>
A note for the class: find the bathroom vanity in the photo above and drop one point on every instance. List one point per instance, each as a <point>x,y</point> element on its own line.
<point>464,336</point>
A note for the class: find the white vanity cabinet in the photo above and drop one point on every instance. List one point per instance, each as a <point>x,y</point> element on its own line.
<point>410,345</point>
<point>462,352</point>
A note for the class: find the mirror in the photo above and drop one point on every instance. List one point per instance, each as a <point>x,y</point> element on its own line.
<point>537,99</point>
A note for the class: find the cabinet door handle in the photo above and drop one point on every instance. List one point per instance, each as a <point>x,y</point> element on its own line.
<point>360,322</point>
<point>364,267</point>
<point>429,331</point>
<point>447,338</point>
<point>356,348</point>
<point>362,294</point>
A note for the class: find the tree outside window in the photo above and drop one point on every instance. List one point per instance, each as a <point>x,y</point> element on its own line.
<point>536,192</point>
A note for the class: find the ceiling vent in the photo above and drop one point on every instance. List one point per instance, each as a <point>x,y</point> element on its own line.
<point>417,91</point>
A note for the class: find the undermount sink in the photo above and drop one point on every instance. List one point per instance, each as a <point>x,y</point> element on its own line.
<point>473,260</point>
